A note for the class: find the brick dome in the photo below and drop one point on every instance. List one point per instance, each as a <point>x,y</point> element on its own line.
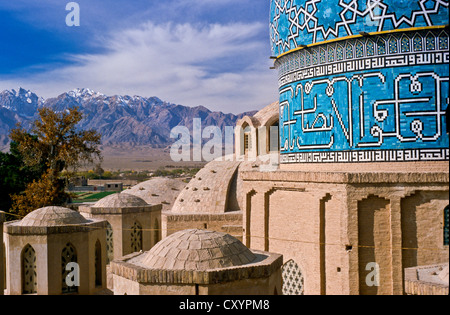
<point>53,216</point>
<point>120,200</point>
<point>197,250</point>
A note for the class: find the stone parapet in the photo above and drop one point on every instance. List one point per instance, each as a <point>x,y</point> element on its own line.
<point>423,288</point>
<point>348,177</point>
<point>122,210</point>
<point>13,228</point>
<point>426,280</point>
<point>265,266</point>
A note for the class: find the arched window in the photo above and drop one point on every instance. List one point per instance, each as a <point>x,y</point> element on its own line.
<point>274,138</point>
<point>405,44</point>
<point>393,45</point>
<point>443,41</point>
<point>339,52</point>
<point>293,281</point>
<point>430,41</point>
<point>98,264</point>
<point>136,237</point>
<point>381,47</point>
<point>109,243</point>
<point>349,51</point>
<point>359,49</point>
<point>315,56</point>
<point>308,58</point>
<point>29,275</point>
<point>322,57</point>
<point>330,53</point>
<point>247,139</point>
<point>417,42</point>
<point>69,275</point>
<point>370,48</point>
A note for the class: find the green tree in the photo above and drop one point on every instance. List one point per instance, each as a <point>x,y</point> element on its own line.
<point>55,144</point>
<point>15,175</point>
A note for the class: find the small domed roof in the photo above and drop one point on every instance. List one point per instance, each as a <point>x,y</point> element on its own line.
<point>53,216</point>
<point>158,190</point>
<point>197,250</point>
<point>120,200</point>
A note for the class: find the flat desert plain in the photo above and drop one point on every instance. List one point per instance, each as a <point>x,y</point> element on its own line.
<point>140,158</point>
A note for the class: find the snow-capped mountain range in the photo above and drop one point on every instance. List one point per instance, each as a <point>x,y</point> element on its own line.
<point>133,120</point>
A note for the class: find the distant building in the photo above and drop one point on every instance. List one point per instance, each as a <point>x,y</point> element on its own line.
<point>113,187</point>
<point>82,185</point>
<point>101,182</point>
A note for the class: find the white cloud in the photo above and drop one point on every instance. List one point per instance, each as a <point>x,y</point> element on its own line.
<point>223,67</point>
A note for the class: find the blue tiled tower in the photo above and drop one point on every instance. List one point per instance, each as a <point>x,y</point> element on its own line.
<point>362,80</point>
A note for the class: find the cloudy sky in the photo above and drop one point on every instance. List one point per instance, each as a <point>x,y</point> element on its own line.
<point>213,53</point>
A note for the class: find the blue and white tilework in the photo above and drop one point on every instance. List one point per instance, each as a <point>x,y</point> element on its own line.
<point>376,98</point>
<point>303,22</point>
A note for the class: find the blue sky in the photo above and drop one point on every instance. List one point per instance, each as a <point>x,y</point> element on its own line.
<point>192,52</point>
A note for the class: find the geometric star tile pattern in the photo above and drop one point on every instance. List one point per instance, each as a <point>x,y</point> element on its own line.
<point>303,22</point>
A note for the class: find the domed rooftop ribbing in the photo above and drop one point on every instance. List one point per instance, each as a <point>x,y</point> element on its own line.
<point>120,201</point>
<point>197,250</point>
<point>158,190</point>
<point>53,216</point>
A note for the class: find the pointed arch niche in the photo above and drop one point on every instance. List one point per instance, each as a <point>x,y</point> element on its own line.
<point>29,273</point>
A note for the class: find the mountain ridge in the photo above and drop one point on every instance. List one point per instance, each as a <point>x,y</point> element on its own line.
<point>121,119</point>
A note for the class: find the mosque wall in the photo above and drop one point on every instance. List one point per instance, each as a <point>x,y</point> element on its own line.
<point>386,229</point>
<point>305,222</point>
<point>334,225</point>
<point>123,286</point>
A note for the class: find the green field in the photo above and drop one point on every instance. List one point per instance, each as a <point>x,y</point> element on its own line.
<point>90,196</point>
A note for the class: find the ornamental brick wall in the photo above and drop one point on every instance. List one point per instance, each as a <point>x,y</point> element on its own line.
<point>333,224</point>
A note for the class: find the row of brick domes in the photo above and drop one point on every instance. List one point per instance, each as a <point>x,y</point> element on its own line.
<point>60,216</point>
